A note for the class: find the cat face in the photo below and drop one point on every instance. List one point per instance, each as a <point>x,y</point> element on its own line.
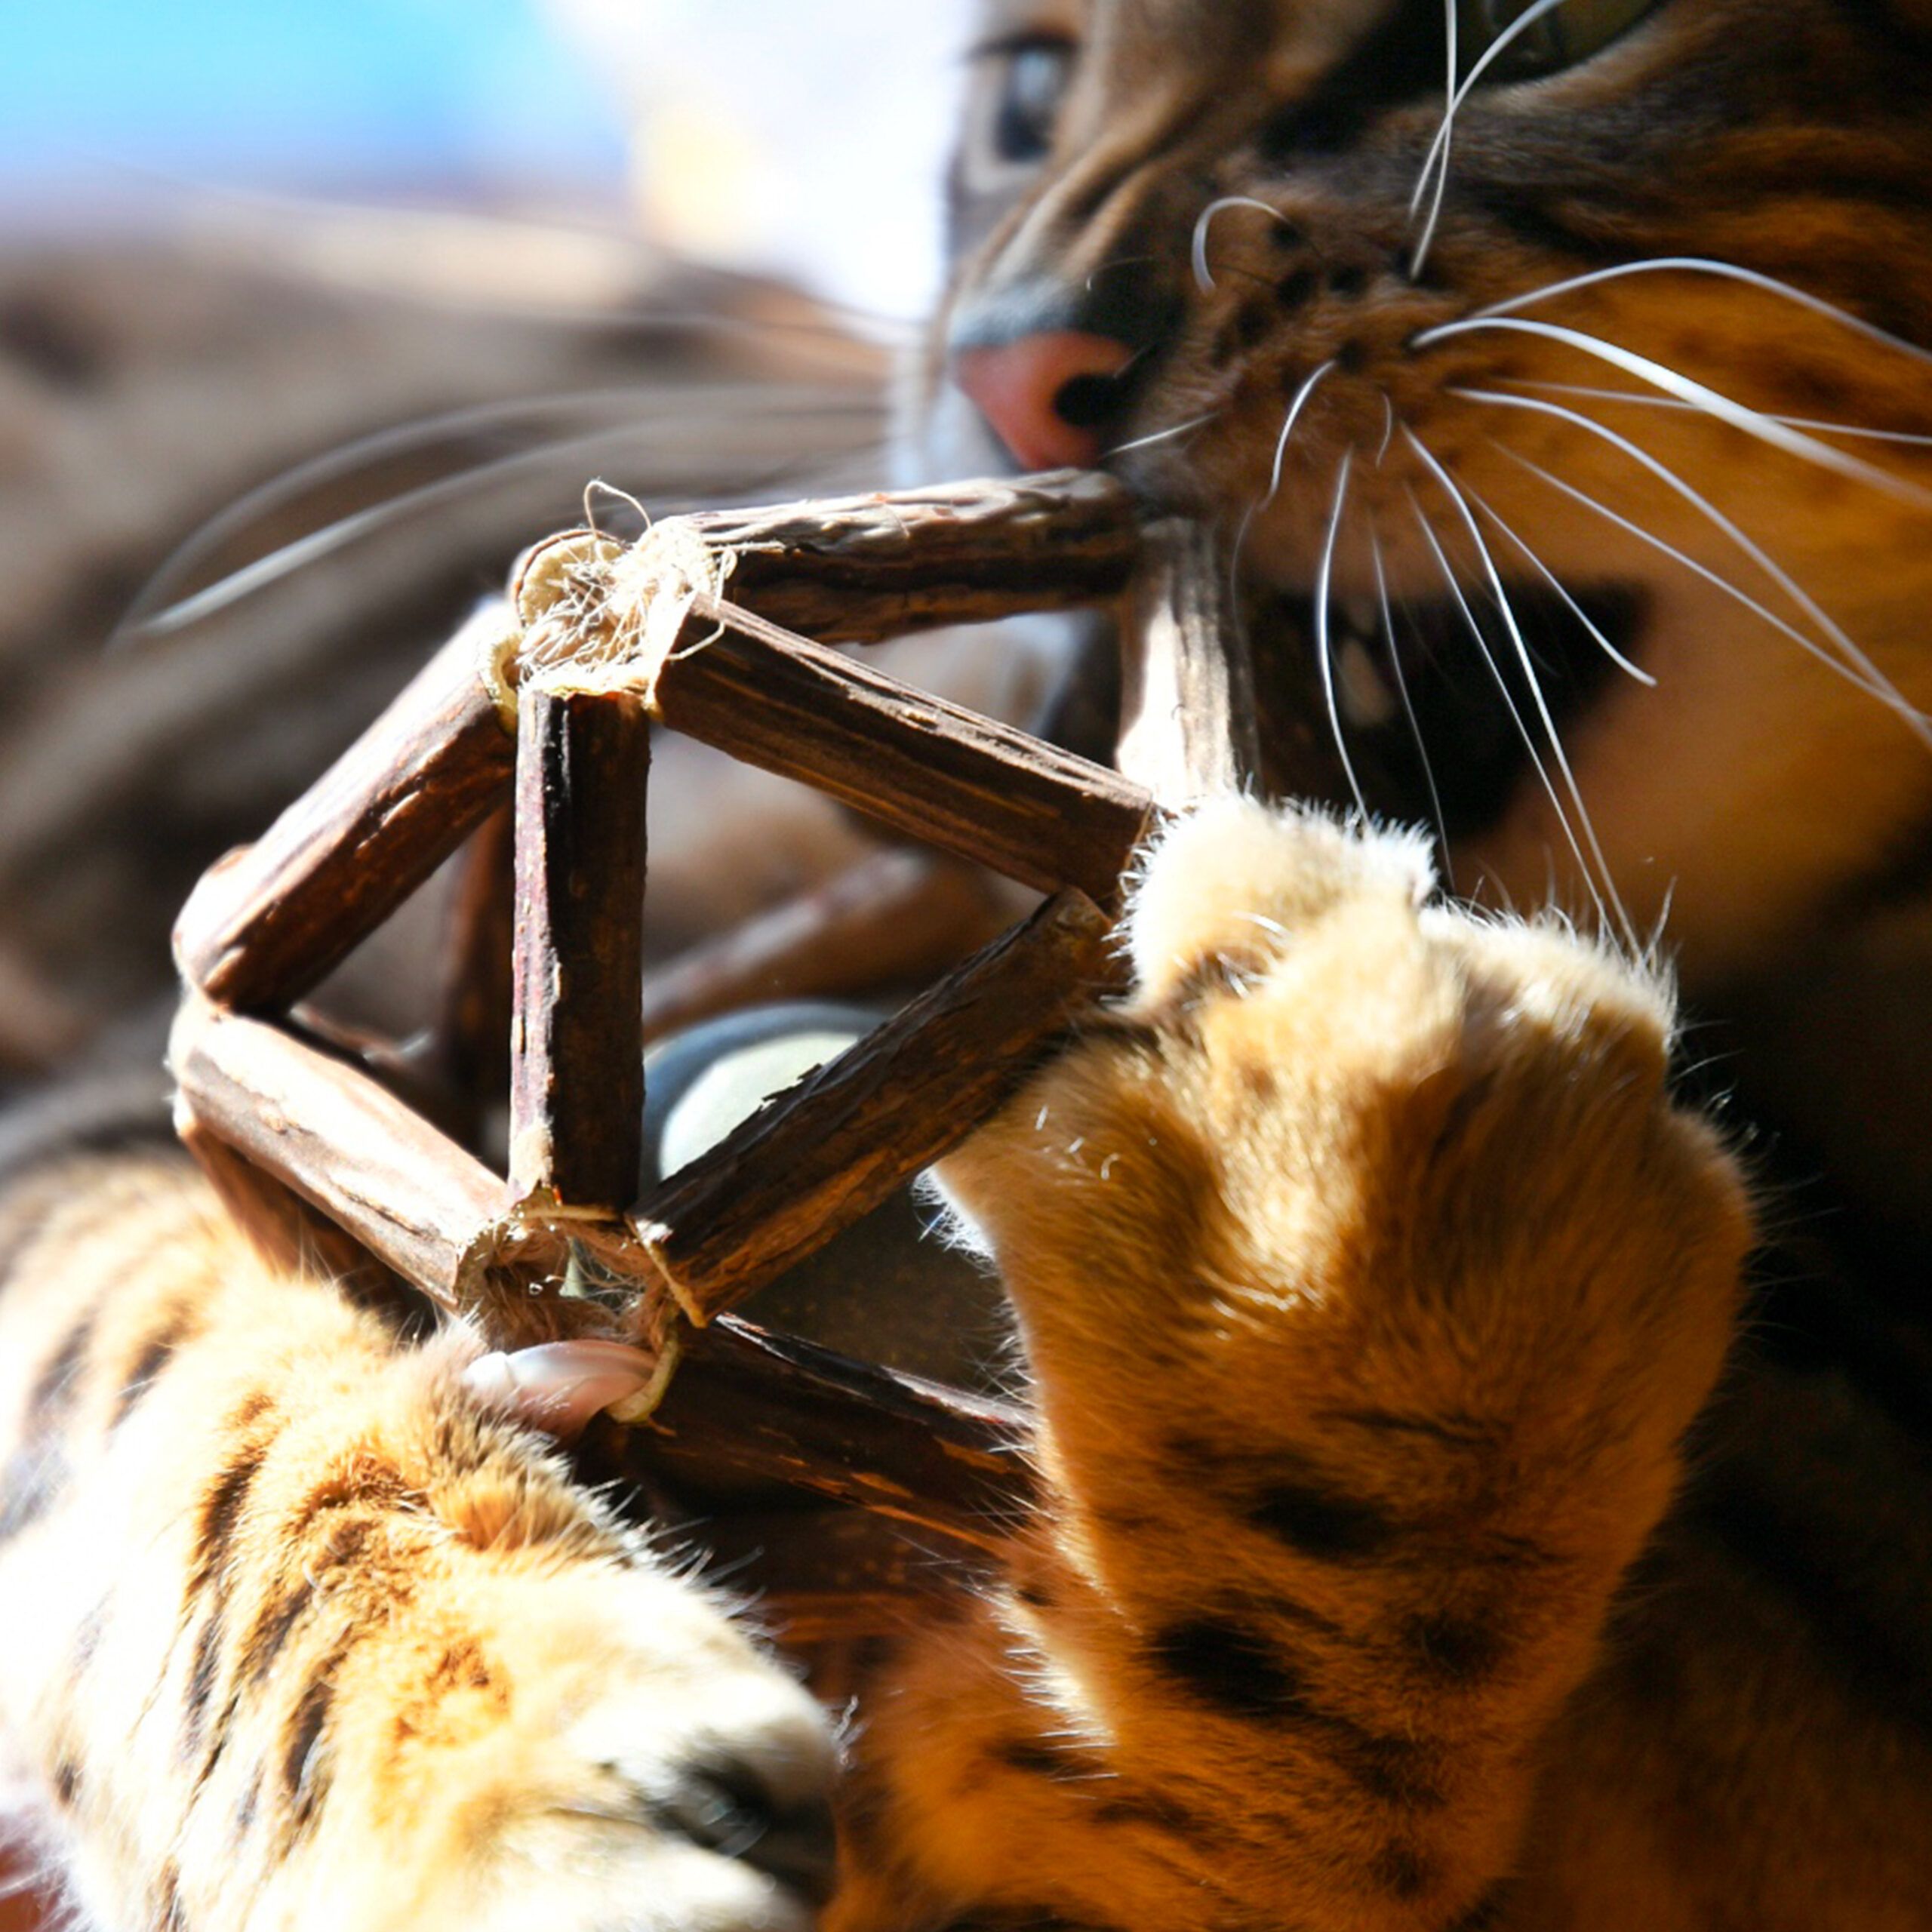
<point>1536,397</point>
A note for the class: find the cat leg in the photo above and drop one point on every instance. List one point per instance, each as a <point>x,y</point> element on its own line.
<point>298,1631</point>
<point>1369,1279</point>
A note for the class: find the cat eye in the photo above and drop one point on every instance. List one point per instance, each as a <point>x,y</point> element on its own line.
<point>1033,80</point>
<point>1519,47</point>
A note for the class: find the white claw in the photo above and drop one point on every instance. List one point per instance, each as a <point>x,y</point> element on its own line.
<point>559,1387</point>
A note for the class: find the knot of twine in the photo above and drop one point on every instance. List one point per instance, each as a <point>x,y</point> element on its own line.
<point>596,614</point>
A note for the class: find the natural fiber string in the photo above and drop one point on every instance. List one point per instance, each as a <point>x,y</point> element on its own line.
<point>594,614</point>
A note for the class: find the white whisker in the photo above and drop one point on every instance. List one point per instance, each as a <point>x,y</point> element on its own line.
<point>1730,271</point>
<point>1387,428</point>
<point>1723,408</point>
<point>1323,658</point>
<point>1449,577</point>
<point>1508,613</point>
<point>1161,435</point>
<point>1295,407</point>
<point>1437,156</point>
<point>1204,279</point>
<point>1909,438</point>
<point>1408,707</point>
<point>1856,667</point>
<point>1550,577</point>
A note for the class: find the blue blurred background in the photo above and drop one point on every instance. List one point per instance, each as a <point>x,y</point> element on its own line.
<point>463,95</point>
<point>701,125</point>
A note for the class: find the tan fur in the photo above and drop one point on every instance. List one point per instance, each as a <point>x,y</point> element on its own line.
<point>1346,1459</point>
<point>299,1637</point>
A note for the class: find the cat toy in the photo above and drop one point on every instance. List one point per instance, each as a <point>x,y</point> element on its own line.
<point>526,740</point>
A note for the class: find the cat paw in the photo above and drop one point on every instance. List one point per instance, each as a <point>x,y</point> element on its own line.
<point>1341,1122</point>
<point>588,1747</point>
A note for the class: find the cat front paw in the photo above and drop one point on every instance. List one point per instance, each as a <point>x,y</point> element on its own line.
<point>1350,1146</point>
<point>595,1751</point>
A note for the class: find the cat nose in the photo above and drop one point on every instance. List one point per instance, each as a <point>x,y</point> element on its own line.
<point>1046,395</point>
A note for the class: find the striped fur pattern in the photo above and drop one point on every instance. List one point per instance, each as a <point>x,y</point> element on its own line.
<point>1345,1460</point>
<point>1659,326</point>
<point>297,1634</point>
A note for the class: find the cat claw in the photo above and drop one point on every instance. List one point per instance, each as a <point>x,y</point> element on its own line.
<point>558,1386</point>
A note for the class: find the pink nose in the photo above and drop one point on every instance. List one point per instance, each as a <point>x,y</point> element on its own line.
<point>1033,392</point>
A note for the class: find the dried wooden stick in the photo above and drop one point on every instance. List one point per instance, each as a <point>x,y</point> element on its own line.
<point>577,1077</point>
<point>1187,718</point>
<point>746,1402</point>
<point>270,921</point>
<point>813,1160</point>
<point>860,569</point>
<point>900,916</point>
<point>971,786</point>
<point>286,1229</point>
<point>266,923</point>
<point>831,1575</point>
<point>409,1195</point>
<point>468,1048</point>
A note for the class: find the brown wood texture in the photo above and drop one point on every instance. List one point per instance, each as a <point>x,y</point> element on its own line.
<point>1187,718</point>
<point>577,1077</point>
<point>858,569</point>
<point>812,1160</point>
<point>832,1575</point>
<point>468,1048</point>
<point>747,1403</point>
<point>407,1193</point>
<point>897,917</point>
<point>288,1232</point>
<point>979,789</point>
<point>270,921</point>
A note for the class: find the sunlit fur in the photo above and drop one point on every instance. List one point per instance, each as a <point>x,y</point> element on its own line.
<point>1368,1276</point>
<point>294,1634</point>
<point>1346,1455</point>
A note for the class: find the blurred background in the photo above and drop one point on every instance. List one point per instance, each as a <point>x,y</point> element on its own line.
<point>312,315</point>
<point>756,133</point>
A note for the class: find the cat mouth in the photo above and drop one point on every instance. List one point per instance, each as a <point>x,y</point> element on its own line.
<point>1437,710</point>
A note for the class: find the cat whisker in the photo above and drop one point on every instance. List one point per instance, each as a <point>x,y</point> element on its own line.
<point>1310,383</point>
<point>1550,577</point>
<point>1883,695</point>
<point>1721,408</point>
<point>1469,615</point>
<point>1204,279</point>
<point>1402,691</point>
<point>341,464</point>
<point>1527,664</point>
<point>1324,654</point>
<point>1853,664</point>
<point>1909,438</point>
<point>158,612</point>
<point>1730,271</point>
<point>1450,12</point>
<point>1437,159</point>
<point>1161,435</point>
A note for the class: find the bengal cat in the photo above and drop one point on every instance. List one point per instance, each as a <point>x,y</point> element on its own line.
<point>1425,1542</point>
